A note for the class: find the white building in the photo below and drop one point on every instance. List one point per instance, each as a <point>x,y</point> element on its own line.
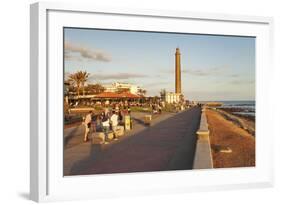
<point>171,97</point>
<point>109,88</point>
<point>115,86</point>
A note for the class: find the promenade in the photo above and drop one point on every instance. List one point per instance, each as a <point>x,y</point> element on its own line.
<point>168,144</point>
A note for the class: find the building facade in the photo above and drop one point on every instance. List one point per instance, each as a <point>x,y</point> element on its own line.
<point>115,87</point>
<point>171,97</point>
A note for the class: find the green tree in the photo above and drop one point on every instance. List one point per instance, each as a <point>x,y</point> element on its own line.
<point>163,94</point>
<point>123,90</point>
<point>94,88</point>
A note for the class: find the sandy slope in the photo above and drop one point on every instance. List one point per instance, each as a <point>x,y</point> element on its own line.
<point>225,134</point>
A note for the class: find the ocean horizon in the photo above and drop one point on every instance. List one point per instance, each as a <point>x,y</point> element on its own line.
<point>228,102</point>
<point>244,107</point>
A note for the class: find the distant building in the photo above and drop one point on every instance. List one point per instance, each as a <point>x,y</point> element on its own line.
<point>115,87</point>
<point>171,97</point>
<point>109,88</point>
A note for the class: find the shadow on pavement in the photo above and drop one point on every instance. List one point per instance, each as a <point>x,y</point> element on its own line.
<point>167,145</point>
<point>70,136</point>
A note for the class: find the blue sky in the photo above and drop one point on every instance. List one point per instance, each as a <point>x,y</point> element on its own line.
<point>213,67</point>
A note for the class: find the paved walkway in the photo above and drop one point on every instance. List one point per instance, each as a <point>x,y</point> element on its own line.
<point>73,136</point>
<point>169,144</point>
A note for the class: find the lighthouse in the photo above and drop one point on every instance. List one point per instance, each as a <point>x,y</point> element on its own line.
<point>177,96</point>
<point>177,71</point>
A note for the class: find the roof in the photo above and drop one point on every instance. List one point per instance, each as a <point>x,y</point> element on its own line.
<point>116,95</point>
<point>128,95</point>
<point>108,95</point>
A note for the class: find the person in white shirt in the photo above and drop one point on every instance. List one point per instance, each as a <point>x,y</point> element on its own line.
<point>114,124</point>
<point>105,126</point>
<point>106,111</point>
<point>87,124</point>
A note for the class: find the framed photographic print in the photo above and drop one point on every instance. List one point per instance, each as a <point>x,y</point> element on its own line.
<point>127,102</point>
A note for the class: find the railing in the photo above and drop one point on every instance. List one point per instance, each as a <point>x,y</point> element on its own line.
<point>203,155</point>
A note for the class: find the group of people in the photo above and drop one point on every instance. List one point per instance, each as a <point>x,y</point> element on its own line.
<point>156,108</point>
<point>106,121</point>
<point>109,120</point>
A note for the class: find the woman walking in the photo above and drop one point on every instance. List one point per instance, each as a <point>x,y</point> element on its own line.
<point>105,126</point>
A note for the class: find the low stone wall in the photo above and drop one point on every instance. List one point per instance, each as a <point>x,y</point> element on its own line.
<point>203,155</point>
<point>81,109</point>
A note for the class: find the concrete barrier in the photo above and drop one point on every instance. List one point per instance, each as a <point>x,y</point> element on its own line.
<point>147,119</point>
<point>120,131</point>
<point>98,138</point>
<point>110,135</point>
<point>203,155</point>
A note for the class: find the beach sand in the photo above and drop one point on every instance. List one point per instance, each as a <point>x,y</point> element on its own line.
<point>231,145</point>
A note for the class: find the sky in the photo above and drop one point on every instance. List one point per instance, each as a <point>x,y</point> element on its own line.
<point>214,67</point>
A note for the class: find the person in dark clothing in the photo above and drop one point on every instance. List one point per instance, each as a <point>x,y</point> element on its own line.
<point>120,116</point>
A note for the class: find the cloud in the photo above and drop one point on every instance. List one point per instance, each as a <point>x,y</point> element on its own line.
<point>206,72</point>
<point>155,84</point>
<point>70,57</point>
<point>203,72</point>
<point>216,71</point>
<point>234,75</point>
<point>71,50</point>
<point>239,82</point>
<point>117,76</point>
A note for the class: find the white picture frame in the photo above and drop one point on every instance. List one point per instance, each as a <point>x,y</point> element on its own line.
<point>46,179</point>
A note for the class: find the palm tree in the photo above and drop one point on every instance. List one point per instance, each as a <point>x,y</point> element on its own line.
<point>142,92</point>
<point>123,90</point>
<point>78,79</point>
<point>163,93</point>
<point>84,77</point>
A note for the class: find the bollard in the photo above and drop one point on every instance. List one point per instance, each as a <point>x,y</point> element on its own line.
<point>127,122</point>
<point>147,119</point>
<point>98,138</point>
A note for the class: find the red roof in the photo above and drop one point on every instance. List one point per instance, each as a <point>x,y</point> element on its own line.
<point>116,95</point>
<point>128,95</point>
<point>108,95</point>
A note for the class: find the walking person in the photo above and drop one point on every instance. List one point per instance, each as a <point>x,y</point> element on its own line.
<point>87,124</point>
<point>105,126</point>
<point>159,109</point>
<point>94,123</point>
<point>114,124</point>
<point>120,117</point>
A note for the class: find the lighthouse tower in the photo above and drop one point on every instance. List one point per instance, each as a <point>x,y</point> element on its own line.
<point>177,96</point>
<point>177,71</point>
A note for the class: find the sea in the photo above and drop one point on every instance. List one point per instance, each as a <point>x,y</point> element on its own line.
<point>241,107</point>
